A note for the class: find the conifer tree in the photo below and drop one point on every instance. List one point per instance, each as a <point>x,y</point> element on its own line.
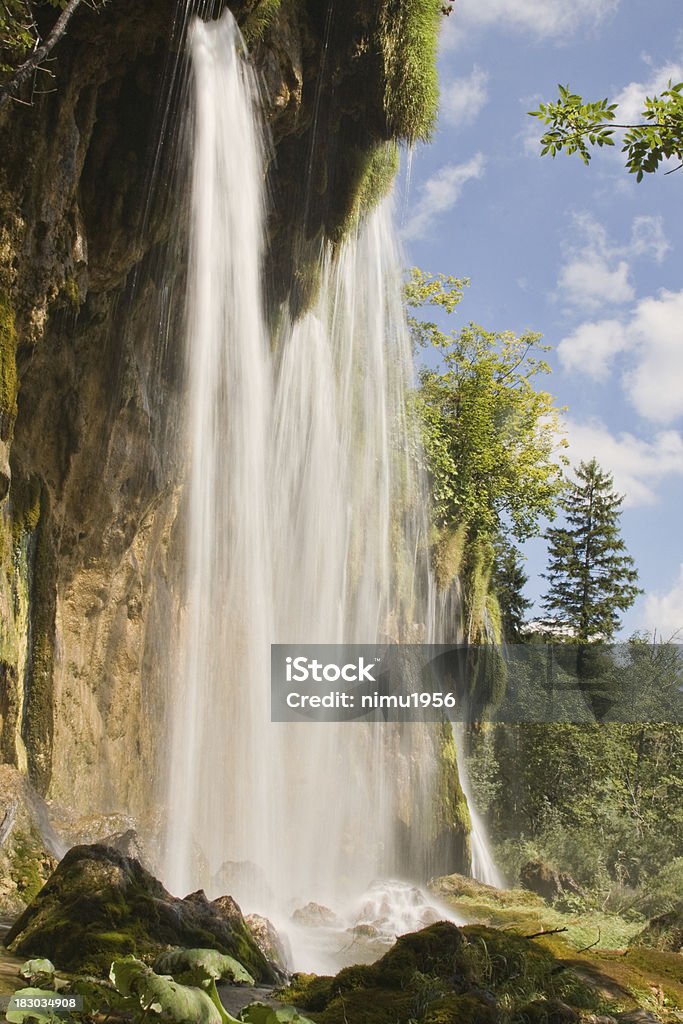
<point>591,576</point>
<point>508,582</point>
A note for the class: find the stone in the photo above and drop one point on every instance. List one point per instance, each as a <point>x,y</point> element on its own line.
<point>99,905</point>
<point>315,915</point>
<point>664,932</point>
<point>274,946</point>
<point>545,881</point>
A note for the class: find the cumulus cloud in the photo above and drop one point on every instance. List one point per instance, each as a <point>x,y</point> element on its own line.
<point>654,383</point>
<point>638,466</point>
<point>440,193</point>
<point>632,97</point>
<point>597,272</point>
<point>541,18</point>
<point>591,348</point>
<point>664,611</point>
<point>650,340</point>
<point>463,99</point>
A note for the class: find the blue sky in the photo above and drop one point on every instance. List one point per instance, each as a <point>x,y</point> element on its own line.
<point>586,256</point>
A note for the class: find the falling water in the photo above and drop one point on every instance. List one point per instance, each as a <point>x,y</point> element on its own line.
<point>305,524</point>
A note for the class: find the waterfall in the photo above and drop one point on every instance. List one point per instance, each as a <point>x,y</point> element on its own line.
<point>306,523</point>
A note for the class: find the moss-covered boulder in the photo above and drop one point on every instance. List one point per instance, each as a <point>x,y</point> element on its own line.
<point>99,905</point>
<point>444,974</point>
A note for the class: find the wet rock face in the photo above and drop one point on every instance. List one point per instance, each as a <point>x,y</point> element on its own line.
<point>99,904</point>
<point>29,849</point>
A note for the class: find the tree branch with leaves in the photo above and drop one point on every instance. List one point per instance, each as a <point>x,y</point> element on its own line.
<point>576,126</point>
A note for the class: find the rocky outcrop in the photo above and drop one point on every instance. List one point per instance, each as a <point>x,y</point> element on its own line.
<point>99,905</point>
<point>91,367</point>
<point>29,848</point>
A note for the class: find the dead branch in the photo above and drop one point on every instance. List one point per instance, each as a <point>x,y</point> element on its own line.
<point>25,70</point>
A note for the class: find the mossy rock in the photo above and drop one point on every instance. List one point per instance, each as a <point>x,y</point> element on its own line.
<point>99,905</point>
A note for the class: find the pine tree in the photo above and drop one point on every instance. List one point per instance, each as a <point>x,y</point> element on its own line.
<point>590,574</point>
<point>508,582</point>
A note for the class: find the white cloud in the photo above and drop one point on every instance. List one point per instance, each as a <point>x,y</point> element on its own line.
<point>597,273</point>
<point>648,238</point>
<point>632,97</point>
<point>638,466</point>
<point>654,384</point>
<point>664,611</point>
<point>440,193</point>
<point>463,99</point>
<point>591,348</point>
<point>652,338</point>
<point>541,18</point>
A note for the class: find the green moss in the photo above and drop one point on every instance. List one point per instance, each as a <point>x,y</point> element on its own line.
<point>25,861</point>
<point>374,172</point>
<point>448,551</point>
<point>408,41</point>
<point>25,508</point>
<point>8,368</point>
<point>37,727</point>
<point>72,293</point>
<point>463,1009</point>
<point>452,810</point>
<point>259,20</point>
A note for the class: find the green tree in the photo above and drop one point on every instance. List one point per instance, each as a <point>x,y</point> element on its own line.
<point>489,434</point>
<point>507,582</point>
<point>591,576</point>
<point>575,126</point>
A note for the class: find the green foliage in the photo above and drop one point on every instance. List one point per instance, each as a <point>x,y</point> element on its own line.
<point>8,367</point>
<point>196,966</point>
<point>591,577</point>
<point>32,1015</point>
<point>489,436</point>
<point>603,803</point>
<point>259,20</point>
<point>408,33</point>
<point>164,997</point>
<point>575,126</point>
<point>508,581</point>
<point>40,972</point>
<point>17,33</point>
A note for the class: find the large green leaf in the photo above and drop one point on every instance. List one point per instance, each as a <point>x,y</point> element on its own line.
<point>194,966</point>
<point>38,972</point>
<point>180,1004</point>
<point>24,1015</point>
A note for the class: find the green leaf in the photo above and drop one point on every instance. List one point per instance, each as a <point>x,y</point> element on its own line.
<point>38,972</point>
<point>179,1004</point>
<point>24,1016</point>
<point>202,965</point>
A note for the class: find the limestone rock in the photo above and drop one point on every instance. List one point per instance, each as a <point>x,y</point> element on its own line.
<point>315,915</point>
<point>274,946</point>
<point>99,904</point>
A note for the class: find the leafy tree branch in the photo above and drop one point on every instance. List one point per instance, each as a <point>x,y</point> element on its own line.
<point>576,126</point>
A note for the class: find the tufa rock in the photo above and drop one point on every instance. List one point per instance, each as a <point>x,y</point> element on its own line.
<point>99,905</point>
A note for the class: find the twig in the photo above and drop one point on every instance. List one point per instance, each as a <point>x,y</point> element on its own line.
<point>583,950</point>
<point>25,70</point>
<point>552,931</point>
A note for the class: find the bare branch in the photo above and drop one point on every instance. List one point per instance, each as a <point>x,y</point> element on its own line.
<point>25,70</point>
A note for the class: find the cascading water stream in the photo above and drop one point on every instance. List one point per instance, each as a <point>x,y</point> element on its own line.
<point>305,523</point>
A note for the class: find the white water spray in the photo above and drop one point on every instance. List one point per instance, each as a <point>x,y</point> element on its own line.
<point>306,520</point>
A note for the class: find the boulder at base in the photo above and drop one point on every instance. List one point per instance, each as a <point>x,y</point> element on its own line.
<point>99,905</point>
